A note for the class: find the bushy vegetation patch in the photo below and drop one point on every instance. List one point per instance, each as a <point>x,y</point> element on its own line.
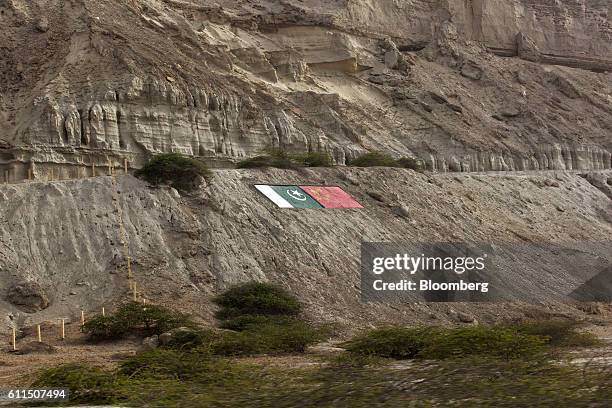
<point>186,340</point>
<point>270,157</point>
<point>172,364</point>
<point>279,158</point>
<point>255,298</point>
<point>441,343</point>
<point>558,333</point>
<point>374,159</point>
<point>379,159</point>
<point>135,318</point>
<point>86,384</point>
<point>264,319</point>
<point>274,337</point>
<point>412,163</point>
<point>314,159</point>
<point>176,170</point>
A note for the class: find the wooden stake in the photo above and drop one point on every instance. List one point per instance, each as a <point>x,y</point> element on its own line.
<point>14,342</point>
<point>135,297</point>
<point>129,267</point>
<point>110,169</point>
<point>144,301</point>
<point>82,318</point>
<point>38,331</point>
<point>103,314</point>
<point>51,177</point>
<point>125,166</point>
<point>93,169</point>
<point>63,331</point>
<point>30,174</point>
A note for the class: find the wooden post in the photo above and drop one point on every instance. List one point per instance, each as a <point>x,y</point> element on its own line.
<point>38,332</point>
<point>125,166</point>
<point>93,168</point>
<point>82,318</point>
<point>30,174</point>
<point>129,267</point>
<point>110,169</point>
<point>144,301</point>
<point>63,333</point>
<point>135,296</point>
<point>103,314</point>
<point>14,340</point>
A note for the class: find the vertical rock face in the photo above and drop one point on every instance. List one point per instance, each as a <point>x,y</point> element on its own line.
<point>573,32</point>
<point>435,80</point>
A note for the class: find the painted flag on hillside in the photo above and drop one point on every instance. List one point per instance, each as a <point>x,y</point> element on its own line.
<point>331,197</point>
<point>288,196</point>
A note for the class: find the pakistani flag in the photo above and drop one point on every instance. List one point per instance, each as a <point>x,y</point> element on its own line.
<point>288,196</point>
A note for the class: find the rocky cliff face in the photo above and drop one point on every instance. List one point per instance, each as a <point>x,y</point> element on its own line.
<point>466,86</point>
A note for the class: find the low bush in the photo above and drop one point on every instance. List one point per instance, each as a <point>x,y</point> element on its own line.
<point>247,322</point>
<point>86,384</point>
<point>173,364</point>
<point>256,298</point>
<point>104,328</point>
<point>440,343</point>
<point>268,338</point>
<point>373,159</point>
<point>191,339</point>
<point>559,333</point>
<point>270,157</point>
<point>274,157</point>
<point>134,318</point>
<point>412,163</point>
<point>314,159</point>
<point>481,341</point>
<point>392,342</point>
<point>181,172</point>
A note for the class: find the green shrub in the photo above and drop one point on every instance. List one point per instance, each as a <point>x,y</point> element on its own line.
<point>314,159</point>
<point>271,157</point>
<point>392,342</point>
<point>247,322</point>
<point>439,343</point>
<point>104,328</point>
<point>561,333</point>
<point>86,384</point>
<point>412,163</point>
<point>172,364</point>
<point>134,318</point>
<point>190,339</point>
<point>478,340</point>
<point>372,159</point>
<point>268,338</point>
<point>179,171</point>
<point>256,298</point>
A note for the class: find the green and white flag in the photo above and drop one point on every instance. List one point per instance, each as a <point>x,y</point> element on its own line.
<point>288,196</point>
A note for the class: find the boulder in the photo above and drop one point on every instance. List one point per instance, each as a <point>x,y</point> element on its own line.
<point>402,211</point>
<point>527,49</point>
<point>392,59</point>
<point>150,343</point>
<point>27,296</point>
<point>165,338</point>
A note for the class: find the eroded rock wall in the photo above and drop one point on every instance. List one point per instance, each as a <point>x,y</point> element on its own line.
<point>119,81</point>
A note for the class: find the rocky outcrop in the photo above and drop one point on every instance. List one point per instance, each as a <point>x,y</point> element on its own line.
<point>27,296</point>
<point>93,91</point>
